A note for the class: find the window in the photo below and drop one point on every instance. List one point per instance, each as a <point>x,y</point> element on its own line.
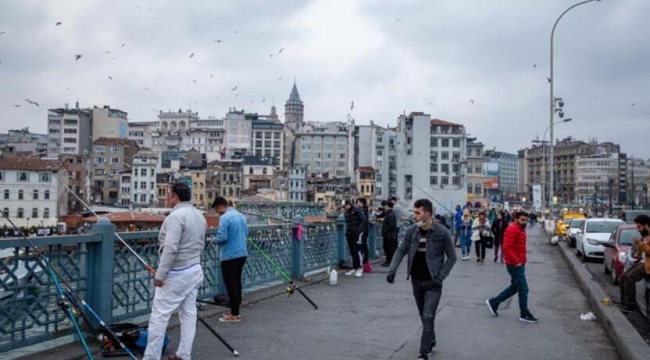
<point>143,185</point>
<point>444,180</point>
<point>434,142</point>
<point>115,160</point>
<point>153,185</point>
<point>35,195</point>
<point>456,168</point>
<point>20,195</point>
<point>433,180</point>
<point>445,168</point>
<point>264,171</point>
<point>455,180</point>
<point>34,213</point>
<point>22,176</point>
<point>378,177</point>
<point>6,195</point>
<point>45,177</point>
<point>250,171</point>
<point>456,156</point>
<point>444,155</point>
<point>143,198</point>
<point>456,143</point>
<point>46,195</point>
<point>445,143</point>
<point>469,170</point>
<point>5,211</point>
<point>68,131</point>
<point>100,160</point>
<point>2,176</point>
<point>433,168</point>
<point>20,213</point>
<point>143,172</point>
<point>46,213</point>
<point>70,140</point>
<point>115,148</point>
<point>135,186</point>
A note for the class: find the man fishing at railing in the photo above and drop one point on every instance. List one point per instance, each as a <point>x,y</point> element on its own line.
<point>179,274</point>
<point>231,237</point>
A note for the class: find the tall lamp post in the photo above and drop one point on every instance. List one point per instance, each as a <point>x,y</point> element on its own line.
<point>543,142</point>
<point>553,101</point>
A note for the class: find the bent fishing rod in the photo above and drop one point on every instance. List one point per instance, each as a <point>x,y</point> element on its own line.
<point>73,296</point>
<point>144,263</point>
<point>287,278</point>
<point>434,199</point>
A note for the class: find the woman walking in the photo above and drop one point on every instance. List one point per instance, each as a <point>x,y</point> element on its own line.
<point>498,229</point>
<point>480,229</point>
<point>464,229</point>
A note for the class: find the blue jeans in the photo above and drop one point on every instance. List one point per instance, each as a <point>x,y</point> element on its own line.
<point>518,285</point>
<point>465,244</point>
<point>427,297</point>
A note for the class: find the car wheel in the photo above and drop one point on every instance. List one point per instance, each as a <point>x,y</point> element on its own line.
<point>607,270</point>
<point>614,275</point>
<point>572,242</point>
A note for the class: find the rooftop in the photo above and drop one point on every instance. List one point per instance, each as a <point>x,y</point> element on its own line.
<point>29,163</point>
<point>439,122</point>
<point>114,142</point>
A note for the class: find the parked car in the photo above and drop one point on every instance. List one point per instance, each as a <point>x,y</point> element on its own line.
<point>592,232</point>
<point>574,227</point>
<point>616,250</point>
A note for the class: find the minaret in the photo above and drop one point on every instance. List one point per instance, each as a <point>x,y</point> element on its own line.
<point>294,110</point>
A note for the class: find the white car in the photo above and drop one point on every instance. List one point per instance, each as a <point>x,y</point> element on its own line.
<point>591,232</point>
<point>574,227</point>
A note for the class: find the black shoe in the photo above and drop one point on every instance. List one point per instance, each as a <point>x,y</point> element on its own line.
<point>627,308</point>
<point>384,264</point>
<point>433,346</point>
<point>528,318</point>
<point>423,357</point>
<point>493,308</point>
<point>478,260</point>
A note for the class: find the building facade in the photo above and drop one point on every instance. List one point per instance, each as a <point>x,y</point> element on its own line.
<point>298,184</point>
<point>323,148</point>
<point>475,171</point>
<point>258,172</point>
<point>507,174</point>
<point>638,174</point>
<point>109,123</point>
<point>124,198</point>
<point>69,131</point>
<point>597,182</point>
<point>32,191</point>
<point>143,179</point>
<point>267,140</point>
<point>110,157</point>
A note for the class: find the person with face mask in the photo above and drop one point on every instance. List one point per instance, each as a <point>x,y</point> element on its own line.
<point>431,256</point>
<point>231,238</point>
<point>640,270</point>
<point>514,255</point>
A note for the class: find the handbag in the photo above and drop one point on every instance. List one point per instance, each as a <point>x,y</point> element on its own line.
<point>488,241</point>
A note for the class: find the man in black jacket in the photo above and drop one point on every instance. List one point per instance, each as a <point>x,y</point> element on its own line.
<point>431,256</point>
<point>389,232</point>
<point>362,204</point>
<point>356,224</point>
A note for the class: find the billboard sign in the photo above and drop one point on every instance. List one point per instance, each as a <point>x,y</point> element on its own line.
<point>537,197</point>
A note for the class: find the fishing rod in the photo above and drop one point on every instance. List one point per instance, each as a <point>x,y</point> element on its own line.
<point>72,295</point>
<point>146,264</point>
<point>213,331</point>
<point>287,278</point>
<point>434,199</point>
<point>284,221</point>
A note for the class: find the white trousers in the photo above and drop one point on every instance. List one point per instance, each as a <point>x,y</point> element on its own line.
<point>178,292</point>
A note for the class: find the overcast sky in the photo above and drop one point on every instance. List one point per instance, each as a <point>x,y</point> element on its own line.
<point>388,57</point>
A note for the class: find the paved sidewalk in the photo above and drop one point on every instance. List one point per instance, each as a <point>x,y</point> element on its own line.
<point>370,319</point>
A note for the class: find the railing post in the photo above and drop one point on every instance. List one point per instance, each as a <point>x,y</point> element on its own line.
<point>101,258</point>
<point>297,252</point>
<point>372,238</point>
<point>340,236</point>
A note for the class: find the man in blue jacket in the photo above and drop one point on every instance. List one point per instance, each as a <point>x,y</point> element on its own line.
<point>231,238</point>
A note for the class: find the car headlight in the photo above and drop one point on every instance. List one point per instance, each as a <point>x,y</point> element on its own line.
<point>592,242</point>
<point>622,257</point>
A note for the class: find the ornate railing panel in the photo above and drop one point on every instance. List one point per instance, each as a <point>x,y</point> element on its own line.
<point>277,242</point>
<point>320,246</point>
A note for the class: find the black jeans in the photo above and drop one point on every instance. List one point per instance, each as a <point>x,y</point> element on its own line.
<point>427,297</point>
<point>390,245</point>
<point>231,270</point>
<point>364,247</point>
<point>479,245</point>
<point>518,285</point>
<point>355,250</point>
<point>628,282</point>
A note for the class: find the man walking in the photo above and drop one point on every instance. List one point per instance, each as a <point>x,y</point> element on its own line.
<point>431,256</point>
<point>179,274</point>
<point>641,269</point>
<point>356,224</point>
<point>231,238</point>
<point>389,233</point>
<point>362,204</point>
<point>514,255</point>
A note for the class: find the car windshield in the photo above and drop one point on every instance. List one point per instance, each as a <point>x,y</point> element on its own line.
<point>627,236</point>
<point>602,226</point>
<point>575,224</point>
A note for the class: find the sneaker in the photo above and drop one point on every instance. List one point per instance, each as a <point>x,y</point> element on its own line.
<point>350,273</point>
<point>433,346</point>
<point>358,273</point>
<point>528,318</point>
<point>493,308</point>
<point>230,319</point>
<point>423,357</point>
<point>464,258</point>
<point>478,260</point>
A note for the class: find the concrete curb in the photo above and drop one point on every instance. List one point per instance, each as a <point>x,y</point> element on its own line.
<point>629,344</point>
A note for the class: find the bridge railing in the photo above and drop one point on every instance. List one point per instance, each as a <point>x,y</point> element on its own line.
<point>118,287</point>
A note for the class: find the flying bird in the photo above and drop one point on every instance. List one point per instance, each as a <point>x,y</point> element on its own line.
<point>58,23</point>
<point>218,41</point>
<point>32,102</point>
<point>122,45</point>
<point>16,105</point>
<point>352,106</point>
<point>280,78</point>
<point>281,50</point>
<point>191,55</point>
<point>107,52</point>
<point>633,104</point>
<point>77,57</point>
<point>2,33</point>
<point>398,19</point>
<point>471,101</point>
<point>548,79</point>
<point>147,89</point>
<point>534,65</point>
<point>68,89</point>
<point>270,55</point>
<point>235,88</point>
<point>211,76</point>
<point>194,81</point>
<point>429,103</point>
<point>110,78</point>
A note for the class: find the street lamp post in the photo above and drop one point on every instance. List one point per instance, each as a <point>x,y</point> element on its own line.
<point>551,80</point>
<point>545,169</point>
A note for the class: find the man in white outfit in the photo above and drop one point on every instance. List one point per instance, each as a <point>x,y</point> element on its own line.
<point>179,274</point>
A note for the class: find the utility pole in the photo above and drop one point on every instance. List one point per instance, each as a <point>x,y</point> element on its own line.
<point>596,200</point>
<point>610,185</point>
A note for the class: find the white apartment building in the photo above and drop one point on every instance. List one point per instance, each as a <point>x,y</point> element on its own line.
<point>69,131</point>
<point>32,191</point>
<point>124,197</point>
<point>109,123</point>
<point>143,179</point>
<point>323,148</point>
<point>258,172</point>
<point>141,132</point>
<point>638,175</point>
<point>238,134</point>
<point>431,160</point>
<point>597,171</point>
<point>267,139</point>
<point>376,147</point>
<point>298,184</point>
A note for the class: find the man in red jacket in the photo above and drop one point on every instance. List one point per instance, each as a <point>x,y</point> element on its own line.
<point>514,255</point>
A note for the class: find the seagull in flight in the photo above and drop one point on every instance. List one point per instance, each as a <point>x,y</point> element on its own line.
<point>280,78</point>
<point>281,50</point>
<point>398,19</point>
<point>218,41</point>
<point>191,55</point>
<point>58,23</point>
<point>147,89</point>
<point>16,105</point>
<point>32,102</point>
<point>211,76</point>
<point>235,88</point>
<point>110,78</point>
<point>194,81</point>
<point>77,57</point>
<point>2,32</point>
<point>122,45</point>
<point>352,106</point>
<point>471,101</point>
